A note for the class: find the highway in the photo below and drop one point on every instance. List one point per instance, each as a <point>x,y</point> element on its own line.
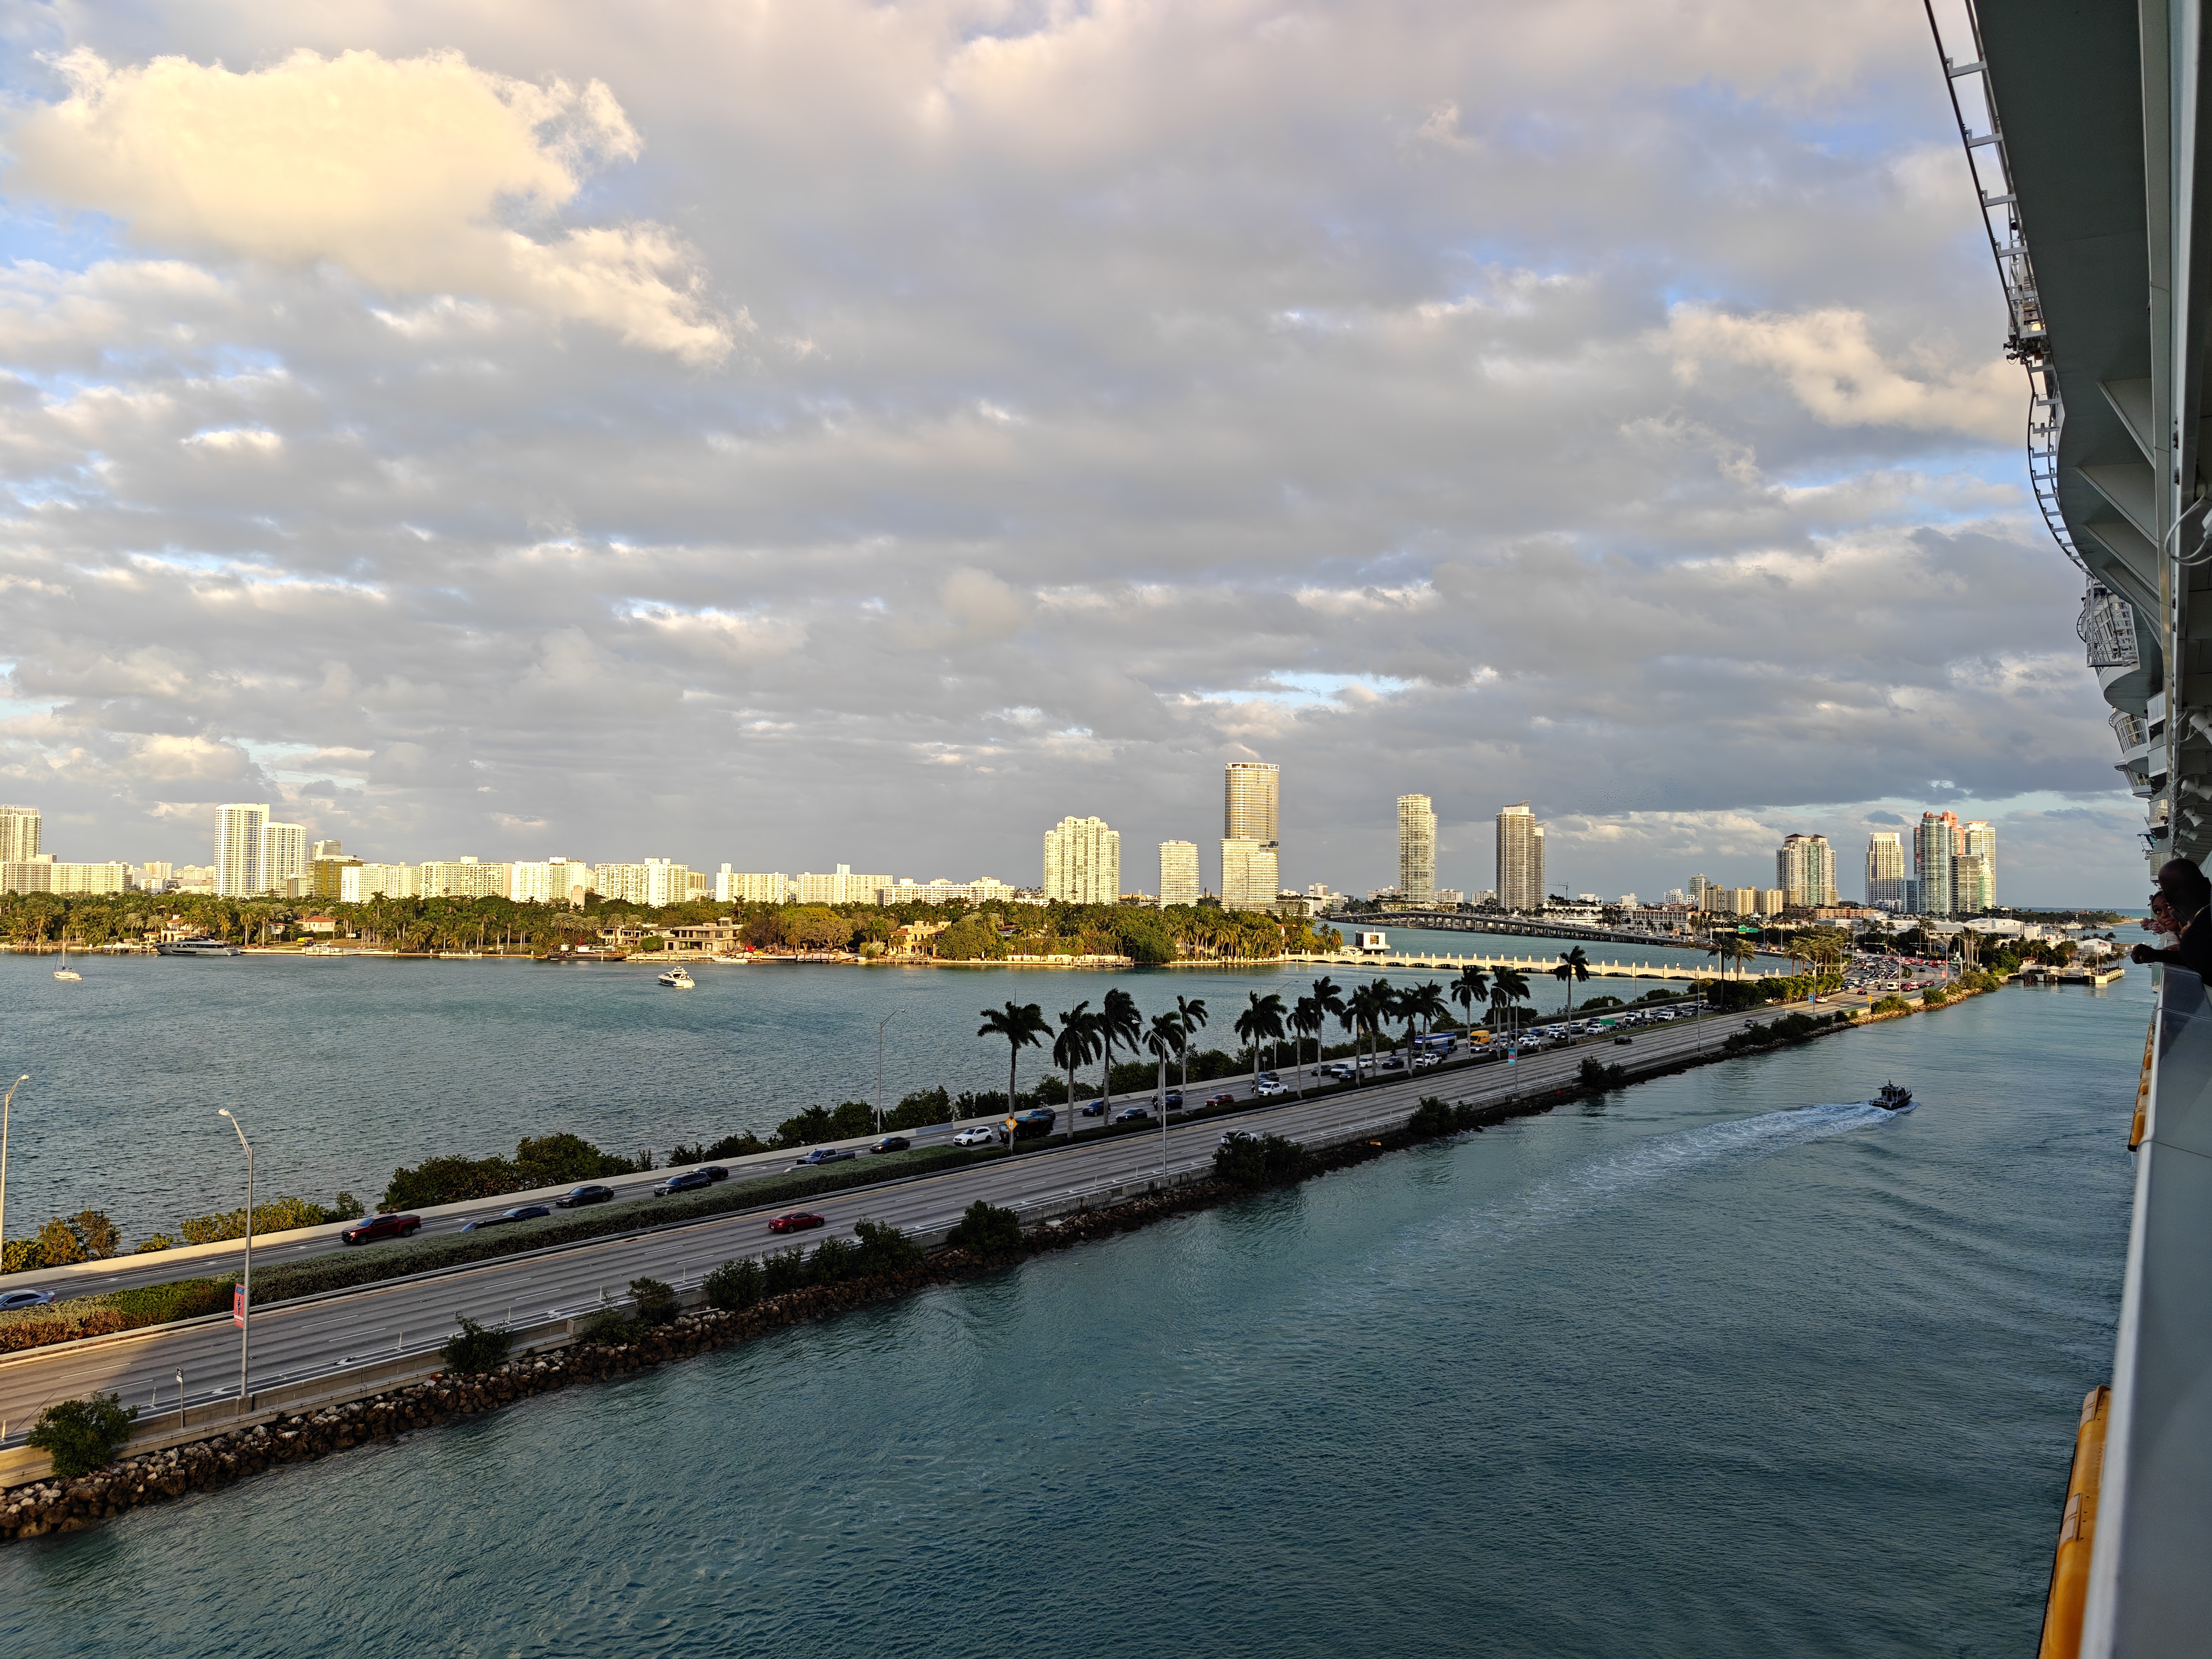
<point>296,1341</point>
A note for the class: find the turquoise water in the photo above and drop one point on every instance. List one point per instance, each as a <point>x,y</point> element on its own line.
<point>1710,1367</point>
<point>346,1068</point>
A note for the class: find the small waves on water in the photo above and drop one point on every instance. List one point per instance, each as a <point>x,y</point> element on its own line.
<point>1602,1183</point>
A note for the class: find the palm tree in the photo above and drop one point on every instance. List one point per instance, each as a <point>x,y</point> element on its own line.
<point>1731,947</point>
<point>1191,1010</point>
<point>1261,1021</point>
<point>1423,1003</point>
<point>1365,1011</point>
<point>1076,1045</point>
<point>1119,1022</point>
<point>1306,1021</point>
<point>1022,1025</point>
<point>1165,1038</point>
<point>1573,965</point>
<point>1508,985</point>
<point>1472,985</point>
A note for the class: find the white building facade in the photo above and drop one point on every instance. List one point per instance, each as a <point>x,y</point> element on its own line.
<point>238,827</point>
<point>1082,862</point>
<point>1417,850</point>
<point>1178,873</point>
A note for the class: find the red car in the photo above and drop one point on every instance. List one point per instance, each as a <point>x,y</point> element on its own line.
<point>1221,1100</point>
<point>382,1226</point>
<point>797,1222</point>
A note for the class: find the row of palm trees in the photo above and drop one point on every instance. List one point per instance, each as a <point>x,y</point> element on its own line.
<point>1086,1035</point>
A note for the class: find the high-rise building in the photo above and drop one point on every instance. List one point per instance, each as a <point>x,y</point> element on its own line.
<point>1178,872</point>
<point>238,827</point>
<point>840,886</point>
<point>1980,838</point>
<point>1884,872</point>
<point>1936,844</point>
<point>1697,891</point>
<point>1417,850</point>
<point>1250,874</point>
<point>650,882</point>
<point>1520,859</point>
<point>332,848</point>
<point>358,883</point>
<point>759,887</point>
<point>549,881</point>
<point>1251,820</point>
<point>1805,871</point>
<point>1082,862</point>
<point>283,853</point>
<point>461,878</point>
<point>1971,878</point>
<point>19,833</point>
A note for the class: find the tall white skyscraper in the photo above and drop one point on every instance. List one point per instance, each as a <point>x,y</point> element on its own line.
<point>1417,850</point>
<point>238,827</point>
<point>1884,872</point>
<point>1805,871</point>
<point>1178,872</point>
<point>1251,816</point>
<point>1935,845</point>
<point>1981,839</point>
<point>283,853</point>
<point>19,833</point>
<point>1082,862</point>
<point>1520,859</point>
<point>549,881</point>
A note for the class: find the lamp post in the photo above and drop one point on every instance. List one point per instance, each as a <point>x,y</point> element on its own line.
<point>8,1100</point>
<point>880,1024</point>
<point>246,1297</point>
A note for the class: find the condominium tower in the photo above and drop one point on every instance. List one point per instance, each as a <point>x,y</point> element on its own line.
<point>284,855</point>
<point>1082,862</point>
<point>1805,871</point>
<point>1250,850</point>
<point>1981,840</point>
<point>1936,844</point>
<point>19,833</point>
<point>237,847</point>
<point>1178,873</point>
<point>1885,869</point>
<point>1417,850</point>
<point>1520,859</point>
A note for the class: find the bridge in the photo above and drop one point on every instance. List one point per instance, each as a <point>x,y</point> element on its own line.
<point>1464,921</point>
<point>1444,962</point>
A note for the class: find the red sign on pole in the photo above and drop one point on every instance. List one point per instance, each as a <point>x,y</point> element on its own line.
<point>237,1306</point>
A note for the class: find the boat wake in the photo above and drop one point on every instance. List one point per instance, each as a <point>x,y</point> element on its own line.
<point>1603,1182</point>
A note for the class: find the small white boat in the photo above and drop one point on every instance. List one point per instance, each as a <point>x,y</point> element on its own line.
<point>65,971</point>
<point>677,979</point>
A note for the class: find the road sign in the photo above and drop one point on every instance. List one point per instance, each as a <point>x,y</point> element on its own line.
<point>237,1306</point>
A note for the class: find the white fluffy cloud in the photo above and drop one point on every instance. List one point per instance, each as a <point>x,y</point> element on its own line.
<point>403,172</point>
<point>1598,403</point>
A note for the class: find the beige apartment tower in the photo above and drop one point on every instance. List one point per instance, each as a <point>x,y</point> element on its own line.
<point>1417,850</point>
<point>1885,883</point>
<point>1251,816</point>
<point>1520,859</point>
<point>1805,870</point>
<point>1178,873</point>
<point>1082,862</point>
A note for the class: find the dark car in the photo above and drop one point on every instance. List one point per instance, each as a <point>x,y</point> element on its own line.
<point>1133,1114</point>
<point>382,1226</point>
<point>823,1154</point>
<point>1096,1108</point>
<point>1173,1100</point>
<point>690,1180</point>
<point>1622,1042</point>
<point>578,1196</point>
<point>797,1222</point>
<point>1221,1100</point>
<point>15,1299</point>
<point>892,1144</point>
<point>519,1213</point>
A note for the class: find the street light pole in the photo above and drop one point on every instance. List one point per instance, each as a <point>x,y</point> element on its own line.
<point>880,1024</point>
<point>8,1100</point>
<point>246,1296</point>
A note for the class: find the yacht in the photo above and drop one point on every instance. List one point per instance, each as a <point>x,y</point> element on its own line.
<point>677,979</point>
<point>202,946</point>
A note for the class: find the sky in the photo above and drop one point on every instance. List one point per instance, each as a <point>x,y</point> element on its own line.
<point>789,434</point>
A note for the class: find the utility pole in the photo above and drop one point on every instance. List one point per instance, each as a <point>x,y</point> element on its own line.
<point>8,1100</point>
<point>246,1283</point>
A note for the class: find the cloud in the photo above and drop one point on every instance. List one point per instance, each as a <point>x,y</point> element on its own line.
<point>403,172</point>
<point>1832,366</point>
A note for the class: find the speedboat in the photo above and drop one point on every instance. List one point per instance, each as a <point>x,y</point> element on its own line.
<point>676,979</point>
<point>1891,1098</point>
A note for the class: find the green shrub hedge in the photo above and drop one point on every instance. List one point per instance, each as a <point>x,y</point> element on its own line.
<point>476,1349</point>
<point>83,1435</point>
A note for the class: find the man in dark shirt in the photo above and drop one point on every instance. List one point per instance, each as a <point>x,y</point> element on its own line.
<point>2188,895</point>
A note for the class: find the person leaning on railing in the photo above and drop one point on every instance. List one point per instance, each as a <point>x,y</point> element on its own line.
<point>2181,906</point>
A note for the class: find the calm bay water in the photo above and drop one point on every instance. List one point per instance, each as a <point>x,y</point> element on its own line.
<point>1709,1368</point>
<point>346,1068</point>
